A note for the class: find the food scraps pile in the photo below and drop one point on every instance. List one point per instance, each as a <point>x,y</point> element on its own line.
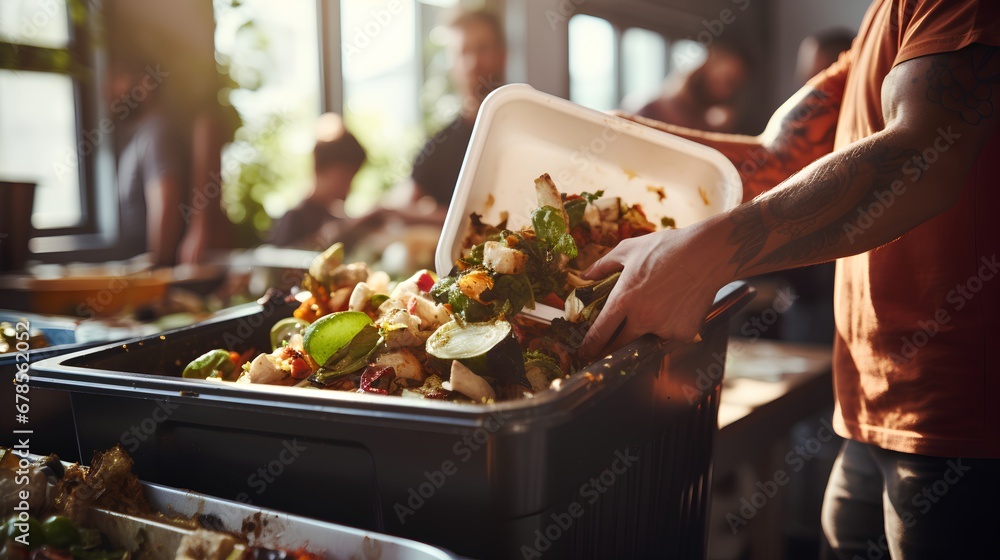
<point>57,510</point>
<point>461,337</point>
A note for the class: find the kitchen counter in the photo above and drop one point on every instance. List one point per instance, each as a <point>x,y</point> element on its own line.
<point>766,380</point>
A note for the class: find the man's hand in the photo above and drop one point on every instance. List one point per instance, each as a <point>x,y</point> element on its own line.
<point>666,288</point>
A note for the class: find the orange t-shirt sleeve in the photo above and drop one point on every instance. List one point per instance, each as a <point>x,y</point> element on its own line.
<point>939,26</point>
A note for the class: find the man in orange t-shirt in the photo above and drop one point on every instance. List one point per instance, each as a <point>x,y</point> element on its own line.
<point>889,162</point>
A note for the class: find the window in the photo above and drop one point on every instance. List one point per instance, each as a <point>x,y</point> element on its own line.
<point>644,63</point>
<point>612,66</point>
<point>270,51</point>
<point>395,84</point>
<point>687,55</point>
<point>42,128</point>
<point>382,62</point>
<point>592,66</point>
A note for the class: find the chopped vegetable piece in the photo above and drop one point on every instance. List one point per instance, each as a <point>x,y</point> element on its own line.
<point>283,330</point>
<point>377,379</point>
<point>214,363</point>
<point>459,342</point>
<point>60,531</point>
<point>463,380</point>
<point>326,262</point>
<point>474,283</point>
<point>425,282</point>
<point>551,227</point>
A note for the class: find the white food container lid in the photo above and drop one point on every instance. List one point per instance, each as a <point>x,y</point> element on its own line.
<point>521,133</point>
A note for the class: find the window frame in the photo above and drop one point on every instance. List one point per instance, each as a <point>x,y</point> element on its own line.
<point>78,52</point>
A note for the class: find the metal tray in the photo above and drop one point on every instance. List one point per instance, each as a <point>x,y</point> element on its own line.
<point>260,527</point>
<point>273,529</point>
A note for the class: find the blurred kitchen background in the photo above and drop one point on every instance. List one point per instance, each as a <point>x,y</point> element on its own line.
<point>261,73</point>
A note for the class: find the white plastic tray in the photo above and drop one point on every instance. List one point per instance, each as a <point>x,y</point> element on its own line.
<point>521,133</point>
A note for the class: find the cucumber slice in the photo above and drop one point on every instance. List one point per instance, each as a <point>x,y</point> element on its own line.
<point>488,349</point>
<point>452,341</point>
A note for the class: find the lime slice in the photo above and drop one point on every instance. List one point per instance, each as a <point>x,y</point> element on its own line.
<point>285,328</point>
<point>330,333</point>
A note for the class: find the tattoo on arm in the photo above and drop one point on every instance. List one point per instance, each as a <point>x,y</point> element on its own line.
<point>861,174</point>
<point>818,217</point>
<point>961,83</point>
<point>797,137</point>
<point>807,132</point>
<point>814,217</point>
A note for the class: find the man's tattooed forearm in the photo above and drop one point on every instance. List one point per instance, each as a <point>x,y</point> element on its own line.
<point>793,211</point>
<point>749,234</point>
<point>824,198</point>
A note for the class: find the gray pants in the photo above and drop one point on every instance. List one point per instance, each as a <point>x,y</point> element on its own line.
<point>883,504</point>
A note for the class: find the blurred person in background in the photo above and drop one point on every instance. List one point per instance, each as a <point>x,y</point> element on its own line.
<point>705,98</point>
<point>169,181</point>
<point>477,50</point>
<point>818,52</point>
<point>337,158</point>
<point>152,183</point>
<point>208,227</point>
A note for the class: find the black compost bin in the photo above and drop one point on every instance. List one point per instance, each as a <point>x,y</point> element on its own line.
<point>614,464</point>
